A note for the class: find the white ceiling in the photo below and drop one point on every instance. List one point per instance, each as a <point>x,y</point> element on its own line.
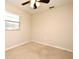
<point>42,6</point>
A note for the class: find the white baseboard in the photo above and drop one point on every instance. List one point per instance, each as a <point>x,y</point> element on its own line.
<point>39,43</point>
<point>16,45</point>
<point>53,46</point>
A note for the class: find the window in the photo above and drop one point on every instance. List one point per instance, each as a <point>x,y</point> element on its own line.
<point>11,21</point>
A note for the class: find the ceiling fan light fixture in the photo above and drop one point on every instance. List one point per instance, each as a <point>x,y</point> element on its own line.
<point>32,3</point>
<point>37,4</point>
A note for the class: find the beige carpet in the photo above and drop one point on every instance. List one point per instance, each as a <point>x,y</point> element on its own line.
<point>37,51</point>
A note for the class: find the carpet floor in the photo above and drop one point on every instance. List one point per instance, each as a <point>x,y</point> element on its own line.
<point>37,51</point>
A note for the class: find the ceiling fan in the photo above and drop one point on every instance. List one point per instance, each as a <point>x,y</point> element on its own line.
<point>35,3</point>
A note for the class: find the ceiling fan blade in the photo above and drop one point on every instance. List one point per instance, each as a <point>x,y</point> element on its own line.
<point>51,7</point>
<point>44,1</point>
<point>35,7</point>
<point>25,3</point>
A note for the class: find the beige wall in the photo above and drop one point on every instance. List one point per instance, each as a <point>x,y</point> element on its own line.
<point>14,38</point>
<point>54,27</point>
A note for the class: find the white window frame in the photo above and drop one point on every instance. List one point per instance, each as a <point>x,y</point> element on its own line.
<point>12,20</point>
